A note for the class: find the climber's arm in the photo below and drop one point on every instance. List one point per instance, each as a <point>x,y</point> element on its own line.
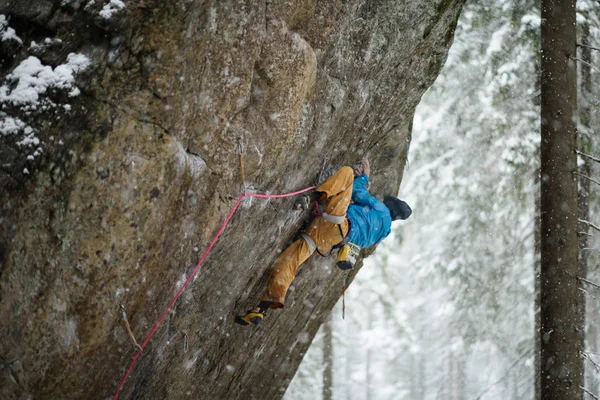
<point>360,192</point>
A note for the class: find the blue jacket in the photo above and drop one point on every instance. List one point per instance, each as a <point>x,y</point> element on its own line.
<point>370,218</point>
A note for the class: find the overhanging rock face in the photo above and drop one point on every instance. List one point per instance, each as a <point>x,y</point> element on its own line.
<point>120,127</point>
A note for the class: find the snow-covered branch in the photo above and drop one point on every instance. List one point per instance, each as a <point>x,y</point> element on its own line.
<point>588,392</point>
<point>586,356</point>
<point>588,223</point>
<point>588,156</point>
<point>587,293</point>
<point>586,63</point>
<point>588,178</point>
<point>589,282</point>
<point>588,46</point>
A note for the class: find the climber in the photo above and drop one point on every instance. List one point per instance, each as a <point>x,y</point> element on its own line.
<point>365,222</point>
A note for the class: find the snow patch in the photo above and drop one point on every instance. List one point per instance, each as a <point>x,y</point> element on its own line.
<point>33,79</point>
<point>10,125</point>
<point>6,32</point>
<point>69,336</point>
<point>25,87</point>
<point>303,337</point>
<point>194,164</point>
<point>111,8</point>
<point>497,40</point>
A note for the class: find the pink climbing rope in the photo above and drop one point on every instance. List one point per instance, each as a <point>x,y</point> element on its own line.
<point>191,275</point>
<point>277,196</point>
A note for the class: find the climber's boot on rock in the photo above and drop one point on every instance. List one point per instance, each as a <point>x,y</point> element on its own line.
<point>302,202</point>
<point>254,317</point>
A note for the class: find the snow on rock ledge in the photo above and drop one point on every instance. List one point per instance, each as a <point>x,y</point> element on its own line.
<point>31,79</point>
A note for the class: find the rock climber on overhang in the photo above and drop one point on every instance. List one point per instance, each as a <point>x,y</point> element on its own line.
<point>342,225</point>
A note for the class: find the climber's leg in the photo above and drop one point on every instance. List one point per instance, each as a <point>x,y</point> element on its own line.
<point>326,234</point>
<point>338,189</point>
<point>321,233</point>
<point>283,272</point>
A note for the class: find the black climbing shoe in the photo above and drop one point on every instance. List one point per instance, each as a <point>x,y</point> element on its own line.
<point>254,316</point>
<point>302,202</point>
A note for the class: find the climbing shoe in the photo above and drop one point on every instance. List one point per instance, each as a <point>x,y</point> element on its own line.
<point>302,202</point>
<point>254,316</point>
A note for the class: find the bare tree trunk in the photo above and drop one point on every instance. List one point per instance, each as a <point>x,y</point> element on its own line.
<point>452,376</point>
<point>592,347</point>
<point>514,383</point>
<point>560,346</point>
<point>585,168</point>
<point>414,375</point>
<point>537,256</point>
<point>417,376</point>
<point>368,361</point>
<point>448,384</point>
<point>456,373</point>
<point>461,380</point>
<point>349,352</point>
<point>328,359</point>
<point>422,378</point>
<point>537,237</point>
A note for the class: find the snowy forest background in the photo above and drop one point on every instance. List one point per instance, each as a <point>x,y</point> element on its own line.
<point>445,307</point>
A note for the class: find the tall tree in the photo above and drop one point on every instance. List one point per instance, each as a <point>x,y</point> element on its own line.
<point>537,235</point>
<point>537,297</point>
<point>585,168</point>
<point>368,361</point>
<point>560,346</point>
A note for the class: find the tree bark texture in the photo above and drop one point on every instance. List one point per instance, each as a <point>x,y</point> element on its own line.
<point>585,169</point>
<point>592,378</point>
<point>537,234</point>
<point>560,346</point>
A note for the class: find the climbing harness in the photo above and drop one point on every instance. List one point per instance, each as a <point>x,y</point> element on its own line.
<point>338,220</point>
<point>312,246</point>
<point>193,273</point>
<point>334,219</point>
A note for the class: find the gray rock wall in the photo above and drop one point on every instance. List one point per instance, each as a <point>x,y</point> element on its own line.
<point>115,179</point>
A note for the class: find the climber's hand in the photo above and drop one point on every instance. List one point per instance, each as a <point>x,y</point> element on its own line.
<point>363,168</point>
<point>366,166</point>
<point>358,171</point>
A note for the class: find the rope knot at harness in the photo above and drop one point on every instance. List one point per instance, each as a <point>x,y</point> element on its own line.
<point>189,279</point>
<point>317,211</point>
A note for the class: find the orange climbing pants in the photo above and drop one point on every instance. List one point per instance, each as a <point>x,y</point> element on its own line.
<point>325,234</point>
